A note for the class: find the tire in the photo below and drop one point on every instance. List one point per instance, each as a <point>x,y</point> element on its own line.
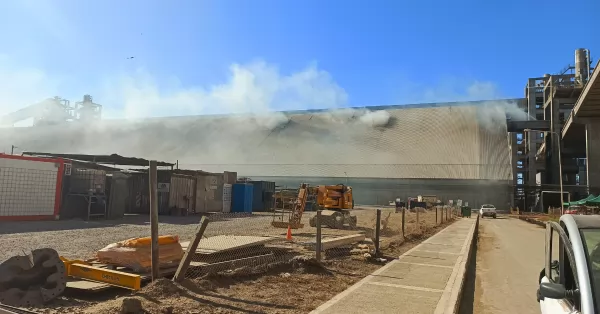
<point>494,216</point>
<point>337,221</point>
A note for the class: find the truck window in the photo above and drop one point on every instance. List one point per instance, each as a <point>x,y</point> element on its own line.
<point>591,238</point>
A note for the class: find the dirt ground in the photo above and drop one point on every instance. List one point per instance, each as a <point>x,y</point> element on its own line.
<point>298,286</point>
<point>78,239</point>
<point>501,242</point>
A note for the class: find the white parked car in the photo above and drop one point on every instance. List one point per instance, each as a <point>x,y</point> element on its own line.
<point>570,279</point>
<point>487,210</point>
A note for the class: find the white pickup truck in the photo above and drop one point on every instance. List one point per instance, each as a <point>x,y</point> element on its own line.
<point>487,210</point>
<point>570,280</point>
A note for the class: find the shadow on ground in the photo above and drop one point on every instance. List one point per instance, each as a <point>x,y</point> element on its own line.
<point>11,227</point>
<point>467,303</point>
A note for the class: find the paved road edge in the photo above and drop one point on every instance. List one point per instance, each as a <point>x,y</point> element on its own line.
<point>449,303</point>
<point>361,282</point>
<point>534,221</point>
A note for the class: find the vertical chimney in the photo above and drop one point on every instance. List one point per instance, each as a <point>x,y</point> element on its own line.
<point>581,67</point>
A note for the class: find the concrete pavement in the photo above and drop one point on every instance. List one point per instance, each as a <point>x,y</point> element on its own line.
<point>426,279</point>
<point>510,256</point>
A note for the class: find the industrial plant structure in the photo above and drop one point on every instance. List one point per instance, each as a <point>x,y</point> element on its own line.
<point>502,152</point>
<point>55,111</point>
<point>559,135</point>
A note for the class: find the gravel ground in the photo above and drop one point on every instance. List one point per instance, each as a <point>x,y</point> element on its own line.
<point>286,288</point>
<point>290,288</point>
<point>81,239</point>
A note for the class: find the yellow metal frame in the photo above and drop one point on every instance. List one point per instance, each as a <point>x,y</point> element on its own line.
<point>82,270</point>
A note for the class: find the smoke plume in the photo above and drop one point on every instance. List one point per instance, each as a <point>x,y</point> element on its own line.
<point>249,120</point>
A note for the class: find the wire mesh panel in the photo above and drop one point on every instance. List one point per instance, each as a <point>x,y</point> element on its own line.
<point>27,192</point>
<point>396,227</point>
<point>28,188</point>
<point>242,244</point>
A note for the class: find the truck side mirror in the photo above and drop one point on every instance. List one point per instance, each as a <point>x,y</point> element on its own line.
<point>552,290</point>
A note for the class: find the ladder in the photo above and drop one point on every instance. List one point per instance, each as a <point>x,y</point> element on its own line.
<point>295,217</point>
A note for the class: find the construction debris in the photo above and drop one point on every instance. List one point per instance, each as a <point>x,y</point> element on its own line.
<point>131,306</point>
<point>31,280</point>
<point>360,249</point>
<point>340,241</point>
<point>135,253</point>
<point>225,243</point>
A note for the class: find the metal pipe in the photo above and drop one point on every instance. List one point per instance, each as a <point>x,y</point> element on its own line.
<point>562,196</point>
<point>154,219</point>
<point>318,246</point>
<point>560,173</point>
<point>587,51</point>
<point>378,232</point>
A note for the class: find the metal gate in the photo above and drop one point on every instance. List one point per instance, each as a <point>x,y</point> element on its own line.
<point>227,198</point>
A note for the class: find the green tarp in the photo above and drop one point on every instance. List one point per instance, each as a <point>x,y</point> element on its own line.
<point>593,201</point>
<point>585,201</point>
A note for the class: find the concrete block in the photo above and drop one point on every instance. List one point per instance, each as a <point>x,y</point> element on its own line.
<point>33,279</point>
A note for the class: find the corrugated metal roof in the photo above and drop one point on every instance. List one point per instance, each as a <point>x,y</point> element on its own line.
<point>446,142</point>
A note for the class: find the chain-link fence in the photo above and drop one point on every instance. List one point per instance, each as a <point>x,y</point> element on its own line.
<point>395,225</point>
<point>238,244</point>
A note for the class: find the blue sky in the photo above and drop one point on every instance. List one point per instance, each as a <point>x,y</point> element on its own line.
<point>225,55</point>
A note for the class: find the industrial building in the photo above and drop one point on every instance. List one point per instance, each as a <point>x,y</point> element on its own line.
<point>451,150</point>
<point>558,136</point>
<point>504,152</point>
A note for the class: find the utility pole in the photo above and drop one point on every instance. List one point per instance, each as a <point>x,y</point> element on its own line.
<point>154,219</point>
<point>12,149</point>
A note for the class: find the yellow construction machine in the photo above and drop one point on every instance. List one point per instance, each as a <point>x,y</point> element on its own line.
<point>335,202</point>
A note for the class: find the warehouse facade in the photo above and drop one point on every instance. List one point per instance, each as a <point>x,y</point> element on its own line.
<point>452,150</point>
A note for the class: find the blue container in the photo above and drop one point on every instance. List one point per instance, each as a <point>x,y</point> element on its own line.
<point>241,198</point>
<point>257,196</point>
<point>263,195</point>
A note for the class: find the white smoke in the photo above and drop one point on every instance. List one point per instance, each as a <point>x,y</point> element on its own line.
<point>377,118</point>
<point>492,115</point>
<point>255,88</point>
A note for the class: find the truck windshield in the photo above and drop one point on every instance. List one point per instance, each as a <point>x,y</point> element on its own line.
<point>591,238</point>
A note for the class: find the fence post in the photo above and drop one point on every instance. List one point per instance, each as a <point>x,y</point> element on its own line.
<point>191,250</point>
<point>403,220</point>
<point>318,240</point>
<point>418,224</point>
<point>154,219</point>
<point>378,231</point>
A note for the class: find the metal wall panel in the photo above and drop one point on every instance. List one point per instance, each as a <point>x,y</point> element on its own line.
<point>209,193</point>
<point>181,192</point>
<point>367,191</point>
<point>227,197</point>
